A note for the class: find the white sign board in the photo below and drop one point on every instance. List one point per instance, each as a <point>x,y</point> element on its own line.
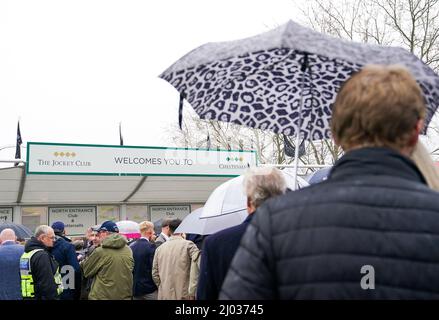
<point>169,212</point>
<point>76,219</point>
<point>56,158</point>
<point>6,215</point>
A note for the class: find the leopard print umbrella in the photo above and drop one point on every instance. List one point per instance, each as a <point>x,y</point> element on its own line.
<point>258,81</point>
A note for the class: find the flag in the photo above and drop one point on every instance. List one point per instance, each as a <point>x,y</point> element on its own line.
<point>18,145</point>
<point>290,150</point>
<point>120,134</point>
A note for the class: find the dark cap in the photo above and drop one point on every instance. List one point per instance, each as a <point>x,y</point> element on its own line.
<point>109,226</point>
<point>58,226</point>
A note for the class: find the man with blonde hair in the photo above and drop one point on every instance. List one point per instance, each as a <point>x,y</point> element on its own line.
<point>260,184</point>
<point>371,230</point>
<point>143,254</point>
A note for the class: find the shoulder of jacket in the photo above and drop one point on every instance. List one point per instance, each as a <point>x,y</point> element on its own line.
<point>97,251</point>
<point>40,254</point>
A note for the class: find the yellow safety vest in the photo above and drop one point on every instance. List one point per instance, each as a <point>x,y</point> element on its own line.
<point>27,282</point>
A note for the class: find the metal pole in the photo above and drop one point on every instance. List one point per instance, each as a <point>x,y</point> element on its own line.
<point>299,122</point>
<point>16,160</point>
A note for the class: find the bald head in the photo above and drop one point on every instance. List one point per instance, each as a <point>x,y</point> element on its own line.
<point>7,235</point>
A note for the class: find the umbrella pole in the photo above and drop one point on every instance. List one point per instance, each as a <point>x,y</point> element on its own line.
<point>296,151</point>
<point>299,122</point>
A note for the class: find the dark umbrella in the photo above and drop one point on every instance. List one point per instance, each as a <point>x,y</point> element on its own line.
<point>255,81</point>
<point>284,80</point>
<point>20,230</point>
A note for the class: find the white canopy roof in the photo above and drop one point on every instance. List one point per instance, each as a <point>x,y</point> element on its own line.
<point>17,188</point>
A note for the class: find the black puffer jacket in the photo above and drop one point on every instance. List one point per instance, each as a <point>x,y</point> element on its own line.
<point>43,266</point>
<point>374,209</point>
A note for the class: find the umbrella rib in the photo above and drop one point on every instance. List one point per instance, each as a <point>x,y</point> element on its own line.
<point>223,214</point>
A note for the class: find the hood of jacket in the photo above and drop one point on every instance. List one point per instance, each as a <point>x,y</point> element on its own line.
<point>59,235</point>
<point>114,241</point>
<point>32,244</point>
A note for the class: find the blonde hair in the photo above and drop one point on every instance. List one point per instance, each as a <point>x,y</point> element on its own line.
<point>425,164</point>
<point>263,183</point>
<point>145,226</point>
<point>378,106</point>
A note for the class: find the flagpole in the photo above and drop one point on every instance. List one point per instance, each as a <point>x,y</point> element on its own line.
<point>120,134</point>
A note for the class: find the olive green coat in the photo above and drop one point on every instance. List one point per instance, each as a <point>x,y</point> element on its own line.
<point>111,265</point>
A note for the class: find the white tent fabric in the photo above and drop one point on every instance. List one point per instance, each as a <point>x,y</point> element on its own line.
<point>16,188</point>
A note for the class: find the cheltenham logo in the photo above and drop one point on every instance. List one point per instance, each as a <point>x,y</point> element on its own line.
<point>64,154</point>
<point>236,159</point>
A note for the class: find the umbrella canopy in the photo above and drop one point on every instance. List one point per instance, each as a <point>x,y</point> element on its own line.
<point>21,231</point>
<point>229,197</point>
<point>129,229</point>
<point>284,80</point>
<point>193,224</point>
<point>319,175</point>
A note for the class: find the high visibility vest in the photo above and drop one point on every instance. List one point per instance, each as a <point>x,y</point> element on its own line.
<point>27,282</point>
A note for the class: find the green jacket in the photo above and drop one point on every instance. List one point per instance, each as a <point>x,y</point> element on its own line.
<point>111,265</point>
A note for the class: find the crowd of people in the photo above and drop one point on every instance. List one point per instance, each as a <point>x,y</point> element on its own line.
<point>378,208</point>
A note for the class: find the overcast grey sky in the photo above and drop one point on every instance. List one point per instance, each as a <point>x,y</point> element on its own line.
<point>73,69</point>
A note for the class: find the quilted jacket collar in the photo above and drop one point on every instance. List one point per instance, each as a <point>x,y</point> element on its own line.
<point>375,161</point>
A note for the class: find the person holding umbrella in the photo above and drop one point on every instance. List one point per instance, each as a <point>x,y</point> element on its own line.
<point>371,231</point>
<point>260,184</point>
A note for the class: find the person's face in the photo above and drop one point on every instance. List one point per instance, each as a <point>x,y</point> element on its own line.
<point>166,230</point>
<point>48,239</point>
<point>96,240</point>
<point>102,235</point>
<point>92,237</point>
<point>89,234</point>
<point>147,233</point>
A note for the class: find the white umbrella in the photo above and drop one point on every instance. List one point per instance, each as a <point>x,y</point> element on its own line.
<point>229,197</point>
<point>193,224</point>
<point>130,229</point>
